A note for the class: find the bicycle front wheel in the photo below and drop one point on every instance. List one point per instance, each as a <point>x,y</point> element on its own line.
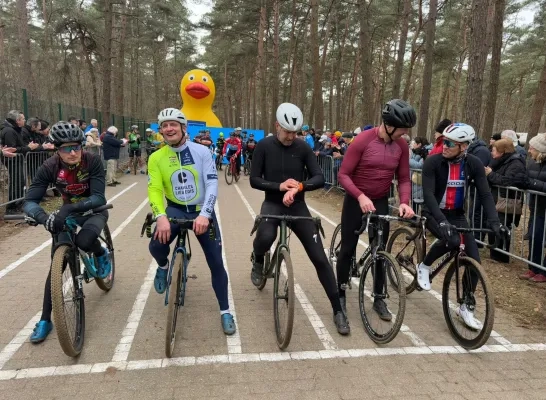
<point>284,295</point>
<point>67,301</point>
<point>228,175</point>
<point>467,295</point>
<point>381,321</point>
<point>408,254</point>
<point>172,308</point>
<point>107,283</point>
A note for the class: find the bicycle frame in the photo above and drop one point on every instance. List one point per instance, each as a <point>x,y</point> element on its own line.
<point>180,247</point>
<point>282,243</point>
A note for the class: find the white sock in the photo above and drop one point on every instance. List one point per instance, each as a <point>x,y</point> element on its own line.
<point>166,266</point>
<point>225,312</point>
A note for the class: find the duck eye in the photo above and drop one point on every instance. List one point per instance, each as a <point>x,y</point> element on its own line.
<point>205,79</point>
<point>191,77</point>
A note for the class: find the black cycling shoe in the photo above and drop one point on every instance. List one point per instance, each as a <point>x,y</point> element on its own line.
<point>342,324</point>
<point>380,308</point>
<point>257,276</point>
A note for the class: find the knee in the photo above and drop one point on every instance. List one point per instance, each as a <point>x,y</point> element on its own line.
<point>85,239</point>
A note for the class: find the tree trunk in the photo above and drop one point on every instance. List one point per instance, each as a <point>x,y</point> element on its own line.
<point>157,75</point>
<point>462,40</point>
<point>107,62</point>
<point>491,101</point>
<point>440,115</point>
<point>365,49</point>
<point>330,121</point>
<point>339,72</point>
<point>538,104</point>
<point>316,102</point>
<point>120,62</point>
<point>320,104</point>
<point>262,66</point>
<point>427,72</point>
<point>401,50</point>
<point>292,56</point>
<point>25,78</point>
<point>477,58</point>
<point>89,63</point>
<point>227,107</point>
<point>275,72</point>
<point>415,52</point>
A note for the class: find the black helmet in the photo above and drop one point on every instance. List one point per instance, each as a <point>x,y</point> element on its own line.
<point>65,132</point>
<point>399,114</point>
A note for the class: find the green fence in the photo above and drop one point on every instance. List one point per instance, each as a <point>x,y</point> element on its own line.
<point>52,111</point>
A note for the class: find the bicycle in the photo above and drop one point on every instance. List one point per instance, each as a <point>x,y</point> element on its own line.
<point>247,166</point>
<point>218,160</point>
<point>231,171</point>
<point>177,275</point>
<point>466,289</point>
<point>70,323</point>
<point>283,292</point>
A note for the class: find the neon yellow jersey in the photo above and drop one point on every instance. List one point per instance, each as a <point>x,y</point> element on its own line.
<point>186,176</point>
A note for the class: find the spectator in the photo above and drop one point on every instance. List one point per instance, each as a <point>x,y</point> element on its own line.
<point>111,146</point>
<point>438,146</point>
<point>419,152</point>
<point>479,149</point>
<point>321,144</point>
<point>509,134</point>
<point>309,136</point>
<point>507,169</point>
<point>94,124</point>
<point>74,120</point>
<point>12,137</point>
<point>31,134</point>
<point>536,173</point>
<point>83,125</point>
<point>8,152</point>
<point>494,138</point>
<point>331,136</point>
<point>30,131</point>
<point>407,139</point>
<point>92,142</point>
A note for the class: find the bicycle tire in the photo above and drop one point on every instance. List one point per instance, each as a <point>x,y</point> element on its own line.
<point>237,176</point>
<point>283,338</point>
<point>228,175</point>
<point>267,261</point>
<point>247,168</point>
<point>380,338</point>
<point>485,333</point>
<point>402,260</point>
<point>71,344</point>
<point>107,283</point>
<point>172,307</point>
<point>333,255</point>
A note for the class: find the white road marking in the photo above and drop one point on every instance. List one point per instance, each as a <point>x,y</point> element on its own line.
<point>494,334</point>
<point>32,253</point>
<point>320,329</point>
<point>233,341</point>
<point>79,369</point>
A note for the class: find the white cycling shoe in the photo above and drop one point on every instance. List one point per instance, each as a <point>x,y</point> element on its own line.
<point>468,318</point>
<point>423,276</point>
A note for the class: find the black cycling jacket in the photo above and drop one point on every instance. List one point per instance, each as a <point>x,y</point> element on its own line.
<point>273,163</point>
<point>435,171</point>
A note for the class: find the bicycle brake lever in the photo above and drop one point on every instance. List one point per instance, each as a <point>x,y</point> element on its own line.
<point>257,222</point>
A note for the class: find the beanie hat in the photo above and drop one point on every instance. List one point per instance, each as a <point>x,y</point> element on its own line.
<point>337,134</point>
<point>442,125</point>
<point>496,136</point>
<point>539,143</point>
<point>509,134</point>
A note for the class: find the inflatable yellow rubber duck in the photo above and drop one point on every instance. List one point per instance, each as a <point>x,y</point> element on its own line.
<point>197,90</point>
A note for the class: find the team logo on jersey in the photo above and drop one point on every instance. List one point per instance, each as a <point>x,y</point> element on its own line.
<point>186,158</point>
<point>184,184</point>
<point>76,188</point>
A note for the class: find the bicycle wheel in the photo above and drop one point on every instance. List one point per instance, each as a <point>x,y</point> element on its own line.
<point>228,174</point>
<point>235,174</point>
<point>408,254</point>
<point>284,299</point>
<point>175,285</point>
<point>480,301</point>
<point>107,283</point>
<point>267,262</point>
<point>247,168</point>
<point>67,301</point>
<point>379,330</point>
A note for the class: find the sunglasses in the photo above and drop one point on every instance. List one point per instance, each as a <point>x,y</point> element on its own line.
<point>450,144</point>
<point>68,149</point>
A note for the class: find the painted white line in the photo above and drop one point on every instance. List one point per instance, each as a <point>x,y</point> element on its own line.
<point>184,362</point>
<point>233,341</point>
<point>494,334</point>
<point>19,339</point>
<point>316,322</point>
<point>32,253</point>
<point>128,335</point>
<point>130,218</point>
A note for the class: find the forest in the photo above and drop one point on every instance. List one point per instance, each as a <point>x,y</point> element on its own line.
<point>482,62</point>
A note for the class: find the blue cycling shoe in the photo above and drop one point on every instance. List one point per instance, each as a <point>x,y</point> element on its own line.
<point>104,265</point>
<point>228,324</point>
<point>40,331</point>
<point>160,280</point>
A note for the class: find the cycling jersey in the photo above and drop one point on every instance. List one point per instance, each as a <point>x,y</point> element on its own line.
<point>454,195</point>
<point>134,141</point>
<point>82,184</point>
<point>186,176</point>
<point>233,144</point>
<point>206,141</point>
<point>250,145</point>
<point>220,144</point>
<point>158,137</point>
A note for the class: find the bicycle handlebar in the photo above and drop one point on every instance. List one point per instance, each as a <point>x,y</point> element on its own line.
<point>415,221</point>
<point>184,224</point>
<point>31,221</point>
<point>287,218</point>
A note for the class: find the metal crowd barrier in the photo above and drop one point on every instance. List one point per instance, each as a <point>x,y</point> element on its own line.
<point>13,175</point>
<point>330,168</point>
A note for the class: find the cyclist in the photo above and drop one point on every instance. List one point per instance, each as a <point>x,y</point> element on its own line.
<point>134,149</point>
<point>219,148</point>
<point>233,147</point>
<point>445,183</point>
<point>185,174</point>
<point>284,186</point>
<point>206,140</point>
<point>197,138</point>
<point>250,146</point>
<point>79,177</point>
<point>366,174</point>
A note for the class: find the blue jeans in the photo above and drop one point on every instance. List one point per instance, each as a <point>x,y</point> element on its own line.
<point>211,247</point>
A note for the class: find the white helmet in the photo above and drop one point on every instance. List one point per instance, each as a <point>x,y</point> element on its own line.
<point>171,114</point>
<point>460,132</point>
<point>239,129</point>
<point>290,117</point>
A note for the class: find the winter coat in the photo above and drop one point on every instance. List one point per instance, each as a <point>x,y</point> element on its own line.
<point>12,136</point>
<point>111,146</point>
<point>536,180</point>
<point>479,149</point>
<point>509,170</point>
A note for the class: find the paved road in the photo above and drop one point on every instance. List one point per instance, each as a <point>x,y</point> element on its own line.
<point>123,355</point>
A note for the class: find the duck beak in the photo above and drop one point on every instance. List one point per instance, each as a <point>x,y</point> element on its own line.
<point>197,90</point>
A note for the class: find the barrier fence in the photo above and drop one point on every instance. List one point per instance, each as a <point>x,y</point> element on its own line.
<point>522,211</point>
